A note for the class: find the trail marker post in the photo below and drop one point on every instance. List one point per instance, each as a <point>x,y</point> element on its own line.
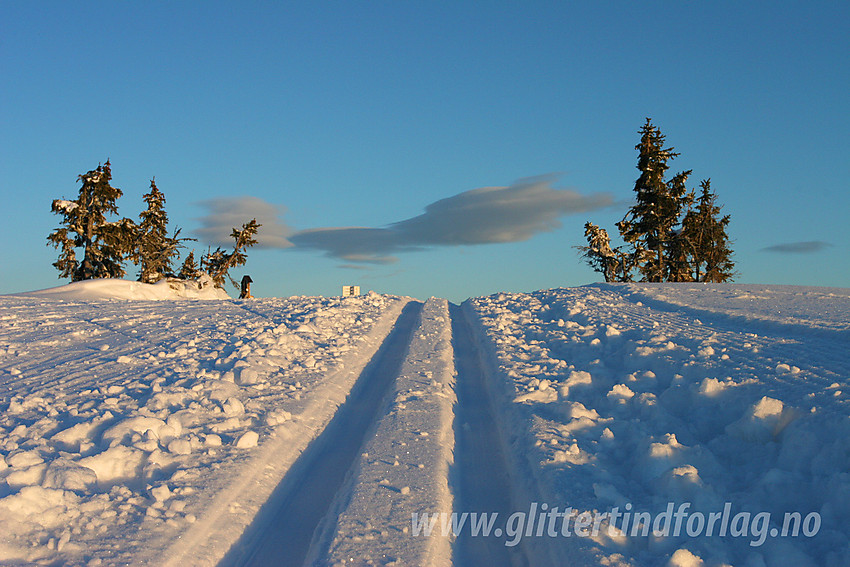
<point>245,292</point>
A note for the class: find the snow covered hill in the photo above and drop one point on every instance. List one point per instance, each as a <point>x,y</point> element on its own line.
<point>610,424</point>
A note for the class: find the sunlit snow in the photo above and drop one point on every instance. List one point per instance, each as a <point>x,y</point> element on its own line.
<point>142,426</point>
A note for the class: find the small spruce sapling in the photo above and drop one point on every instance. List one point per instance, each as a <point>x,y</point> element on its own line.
<point>612,263</point>
<point>189,269</point>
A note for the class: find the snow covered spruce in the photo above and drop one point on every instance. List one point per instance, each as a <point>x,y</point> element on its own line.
<point>106,245</point>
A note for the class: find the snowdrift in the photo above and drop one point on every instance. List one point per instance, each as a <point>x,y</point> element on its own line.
<point>169,288</point>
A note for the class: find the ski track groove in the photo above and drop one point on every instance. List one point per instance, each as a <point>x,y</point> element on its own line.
<point>284,529</point>
<point>481,474</point>
<point>404,463</point>
<point>306,504</point>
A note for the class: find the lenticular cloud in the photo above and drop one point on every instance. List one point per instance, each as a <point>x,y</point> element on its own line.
<point>226,213</point>
<point>480,216</point>
<point>807,247</point>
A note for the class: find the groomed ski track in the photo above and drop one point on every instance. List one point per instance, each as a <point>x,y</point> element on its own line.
<point>416,435</point>
<point>221,534</point>
<point>282,532</point>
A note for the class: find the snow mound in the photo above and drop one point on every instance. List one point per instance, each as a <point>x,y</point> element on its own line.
<point>169,288</point>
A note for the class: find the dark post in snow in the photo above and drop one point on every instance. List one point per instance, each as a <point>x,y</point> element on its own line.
<point>246,288</point>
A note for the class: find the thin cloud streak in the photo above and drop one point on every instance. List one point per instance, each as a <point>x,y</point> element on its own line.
<point>480,216</point>
<point>807,247</point>
<point>226,213</point>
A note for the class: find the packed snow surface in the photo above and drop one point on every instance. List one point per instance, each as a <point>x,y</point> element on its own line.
<point>166,432</point>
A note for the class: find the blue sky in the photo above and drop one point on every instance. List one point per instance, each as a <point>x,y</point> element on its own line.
<point>325,115</point>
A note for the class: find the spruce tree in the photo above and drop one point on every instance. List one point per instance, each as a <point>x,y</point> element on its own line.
<point>679,262</point>
<point>154,249</point>
<point>218,263</point>
<point>244,239</point>
<point>189,270</point>
<point>104,244</point>
<point>673,235</point>
<point>704,231</point>
<point>612,263</point>
<point>648,225</point>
